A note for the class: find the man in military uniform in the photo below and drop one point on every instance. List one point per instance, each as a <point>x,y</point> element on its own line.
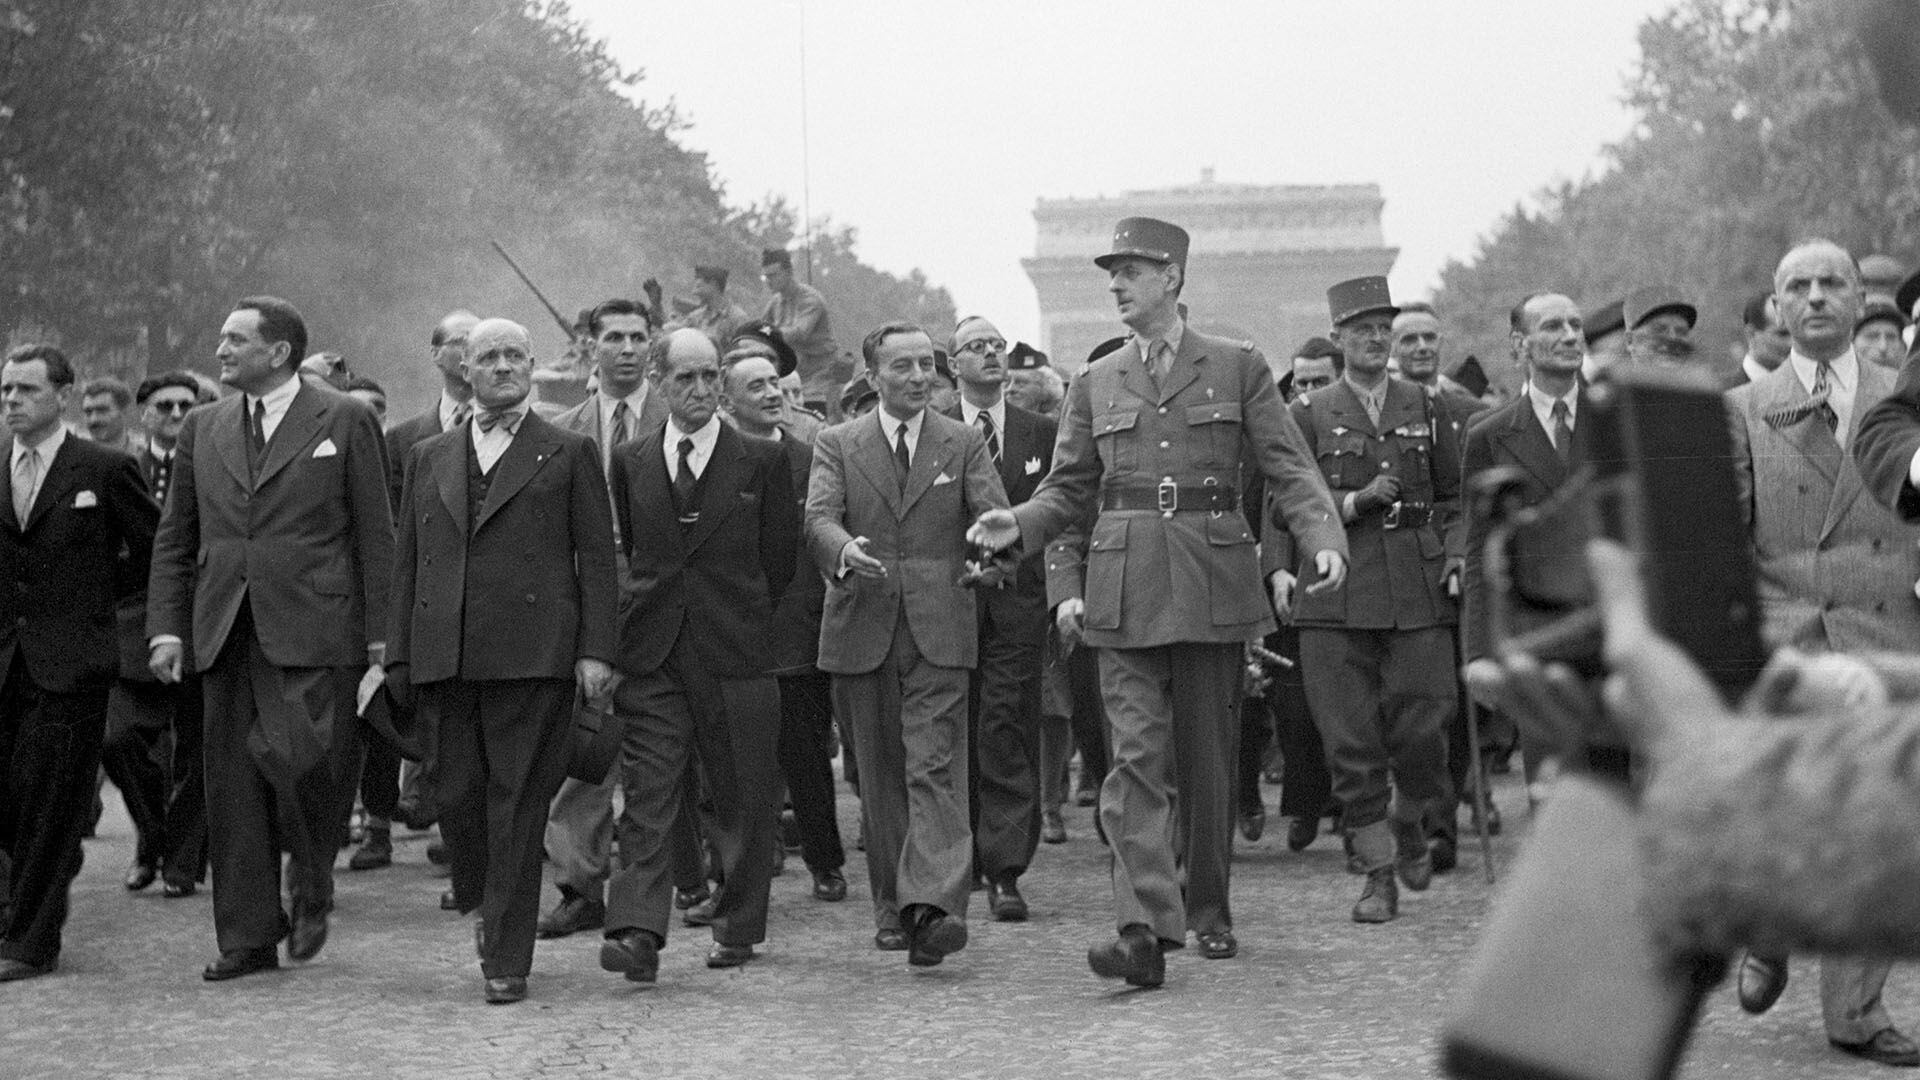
<point>717,316</point>
<point>1152,438</point>
<point>799,312</point>
<point>1379,655</point>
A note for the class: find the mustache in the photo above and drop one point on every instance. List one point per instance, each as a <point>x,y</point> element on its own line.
<point>1671,348</point>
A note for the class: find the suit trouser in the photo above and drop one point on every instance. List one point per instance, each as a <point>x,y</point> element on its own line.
<point>501,758</point>
<point>806,763</point>
<point>380,779</point>
<point>50,751</point>
<point>162,778</point>
<point>1306,788</point>
<point>1003,733</point>
<point>908,719</point>
<point>731,728</point>
<point>1173,711</point>
<point>579,836</point>
<point>1850,997</point>
<point>276,739</point>
<point>1382,700</point>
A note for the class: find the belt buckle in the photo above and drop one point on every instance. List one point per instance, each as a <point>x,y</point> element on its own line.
<point>1391,519</point>
<point>1167,494</point>
<point>1213,496</point>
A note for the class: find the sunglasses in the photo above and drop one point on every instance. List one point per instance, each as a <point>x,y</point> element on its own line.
<point>171,406</point>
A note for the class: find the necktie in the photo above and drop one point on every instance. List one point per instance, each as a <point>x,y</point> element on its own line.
<point>902,461</point>
<point>26,474</point>
<point>489,419</point>
<point>1372,403</point>
<point>257,435</point>
<point>1159,357</point>
<point>1562,430</point>
<point>684,481</point>
<point>621,432</point>
<point>1822,388</point>
<point>993,437</point>
<point>461,412</point>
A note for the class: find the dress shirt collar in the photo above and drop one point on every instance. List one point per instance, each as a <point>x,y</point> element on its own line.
<point>1376,396</point>
<point>449,408</point>
<point>1174,336</point>
<point>890,426</point>
<point>276,401</point>
<point>703,440</point>
<point>1543,405</point>
<point>971,413</point>
<point>1843,371</point>
<point>46,447</point>
<point>634,401</point>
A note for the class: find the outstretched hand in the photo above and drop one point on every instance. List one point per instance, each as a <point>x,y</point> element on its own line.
<point>996,530</point>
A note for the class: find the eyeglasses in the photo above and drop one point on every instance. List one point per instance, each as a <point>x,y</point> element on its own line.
<point>984,346</point>
<point>172,406</point>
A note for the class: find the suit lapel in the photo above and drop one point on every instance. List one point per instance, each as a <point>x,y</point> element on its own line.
<point>656,487</point>
<point>1402,409</point>
<point>1133,373</point>
<point>227,431</point>
<point>1782,390</point>
<point>6,485</point>
<point>1527,442</point>
<point>449,465</point>
<point>1185,368</point>
<point>532,445</point>
<point>53,488</point>
<point>719,486</point>
<point>1348,411</point>
<point>875,459</point>
<point>305,413</point>
<point>929,460</point>
<point>1869,389</point>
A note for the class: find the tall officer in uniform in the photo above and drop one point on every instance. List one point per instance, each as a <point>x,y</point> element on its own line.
<point>1379,655</point>
<point>1154,434</point>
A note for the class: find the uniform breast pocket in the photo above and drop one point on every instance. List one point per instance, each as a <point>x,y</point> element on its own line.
<point>1343,460</point>
<point>1215,426</point>
<point>1113,435</point>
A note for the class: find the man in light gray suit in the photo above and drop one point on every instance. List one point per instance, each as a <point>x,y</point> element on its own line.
<point>888,504</point>
<point>1836,569</point>
<point>621,408</point>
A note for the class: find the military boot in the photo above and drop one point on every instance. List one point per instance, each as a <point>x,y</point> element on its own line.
<point>1412,858</point>
<point>1380,901</point>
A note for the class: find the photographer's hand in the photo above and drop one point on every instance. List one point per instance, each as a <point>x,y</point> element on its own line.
<point>1654,692</point>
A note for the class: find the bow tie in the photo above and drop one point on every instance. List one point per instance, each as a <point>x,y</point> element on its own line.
<point>488,419</point>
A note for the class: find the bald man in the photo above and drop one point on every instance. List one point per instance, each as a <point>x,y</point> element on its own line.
<point>504,601</point>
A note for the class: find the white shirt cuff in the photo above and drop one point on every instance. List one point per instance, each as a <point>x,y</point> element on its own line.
<point>163,639</point>
<point>1913,471</point>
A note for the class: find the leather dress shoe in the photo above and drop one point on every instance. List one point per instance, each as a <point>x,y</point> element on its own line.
<point>375,853</point>
<point>1134,956</point>
<point>1413,859</point>
<point>506,990</point>
<point>1446,853</point>
<point>1005,902</point>
<point>1380,901</point>
<point>686,898</point>
<point>309,934</point>
<point>1302,830</point>
<point>1761,981</point>
<point>140,875</point>
<point>1218,945</point>
<point>829,885</point>
<point>934,935</point>
<point>700,914</point>
<point>726,956</point>
<point>1087,796</point>
<point>1888,1047</point>
<point>437,853</point>
<point>571,915</point>
<point>175,890</point>
<point>890,940</point>
<point>1053,827</point>
<point>634,953</point>
<point>17,970</point>
<point>234,963</point>
<point>448,902</point>
<point>1253,824</point>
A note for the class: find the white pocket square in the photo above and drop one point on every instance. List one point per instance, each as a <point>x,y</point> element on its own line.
<point>325,449</point>
<point>85,500</point>
<point>943,478</point>
<point>1033,465</point>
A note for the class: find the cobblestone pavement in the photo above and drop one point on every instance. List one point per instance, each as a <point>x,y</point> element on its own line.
<point>397,990</point>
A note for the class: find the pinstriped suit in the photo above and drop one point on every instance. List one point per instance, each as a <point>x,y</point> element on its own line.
<point>1836,572</point>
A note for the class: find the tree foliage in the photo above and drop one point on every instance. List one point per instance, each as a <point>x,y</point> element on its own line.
<point>1759,123</point>
<point>160,158</point>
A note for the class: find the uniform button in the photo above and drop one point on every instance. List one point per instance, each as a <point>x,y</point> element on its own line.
<point>20,621</point>
<point>423,603</point>
<point>1163,410</point>
<point>530,598</point>
<point>1385,465</point>
<point>428,560</point>
<point>1164,444</point>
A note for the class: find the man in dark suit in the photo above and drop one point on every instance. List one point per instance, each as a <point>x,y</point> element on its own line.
<point>274,555</point>
<point>887,511</point>
<point>1534,435</point>
<point>756,361</point>
<point>71,514</point>
<point>152,750</point>
<point>710,528</point>
<point>504,598</point>
<point>622,406</point>
<point>382,791</point>
<point>1768,341</point>
<point>1004,698</point>
<point>1152,439</point>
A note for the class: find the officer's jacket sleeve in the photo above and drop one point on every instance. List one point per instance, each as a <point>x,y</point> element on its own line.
<point>1068,494</point>
<point>1448,483</point>
<point>1067,563</point>
<point>1301,501</point>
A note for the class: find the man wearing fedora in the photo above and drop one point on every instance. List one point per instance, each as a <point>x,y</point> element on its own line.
<point>1379,654</point>
<point>1151,444</point>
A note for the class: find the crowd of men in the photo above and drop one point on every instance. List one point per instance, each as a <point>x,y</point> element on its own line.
<point>953,569</point>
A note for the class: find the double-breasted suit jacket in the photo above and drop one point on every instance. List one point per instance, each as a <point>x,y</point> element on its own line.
<point>521,590</point>
<point>309,543</point>
<point>796,617</point>
<point>1147,573</point>
<point>1509,436</point>
<point>1836,569</point>
<point>711,587</point>
<point>920,535</point>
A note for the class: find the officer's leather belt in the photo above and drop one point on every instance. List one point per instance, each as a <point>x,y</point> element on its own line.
<point>1406,515</point>
<point>1168,497</point>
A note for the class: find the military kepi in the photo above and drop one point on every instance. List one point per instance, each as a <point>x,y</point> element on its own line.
<point>1359,296</point>
<point>1146,238</point>
<point>1025,357</point>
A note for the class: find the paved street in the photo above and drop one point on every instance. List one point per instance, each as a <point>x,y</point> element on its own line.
<point>397,990</point>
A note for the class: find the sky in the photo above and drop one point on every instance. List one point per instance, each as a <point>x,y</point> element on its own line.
<point>933,127</point>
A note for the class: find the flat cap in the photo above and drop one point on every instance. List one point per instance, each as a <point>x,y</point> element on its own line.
<point>1025,357</point>
<point>1880,311</point>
